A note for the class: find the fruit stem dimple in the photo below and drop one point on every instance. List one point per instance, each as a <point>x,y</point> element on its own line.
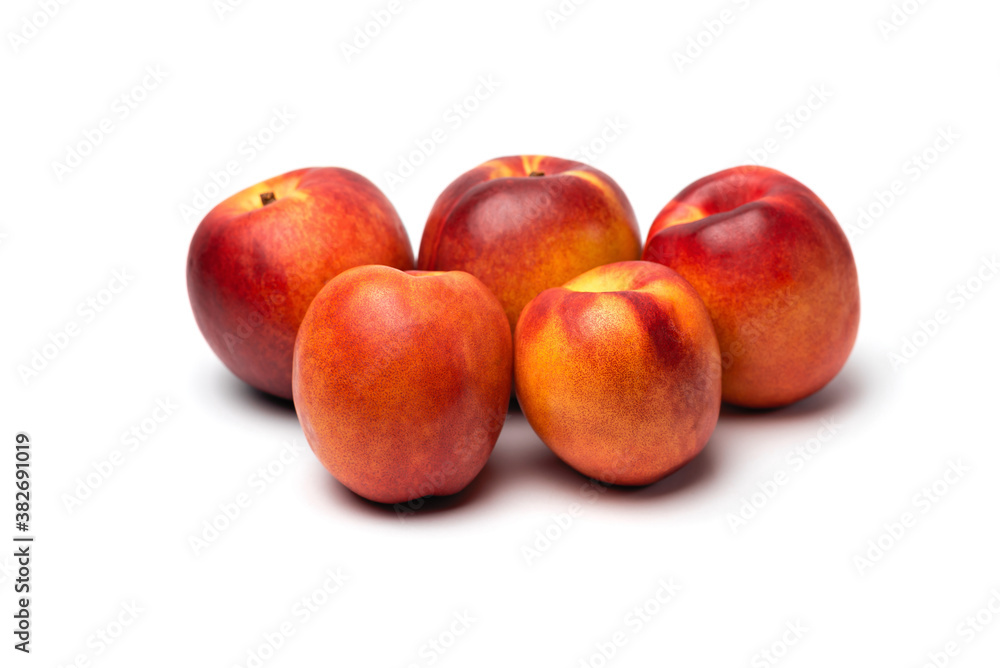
<point>536,174</point>
<point>266,198</point>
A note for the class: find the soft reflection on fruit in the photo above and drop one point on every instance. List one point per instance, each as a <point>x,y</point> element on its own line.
<point>402,380</point>
<point>775,271</point>
<point>618,372</point>
<point>522,224</point>
<point>258,258</point>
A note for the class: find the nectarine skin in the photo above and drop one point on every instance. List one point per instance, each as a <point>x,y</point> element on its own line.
<point>775,271</point>
<point>522,224</point>
<point>258,258</point>
<point>402,380</point>
<point>619,373</point>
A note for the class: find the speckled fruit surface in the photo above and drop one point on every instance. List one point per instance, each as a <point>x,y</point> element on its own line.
<point>618,372</point>
<point>775,271</point>
<point>522,224</point>
<point>401,380</point>
<point>258,258</point>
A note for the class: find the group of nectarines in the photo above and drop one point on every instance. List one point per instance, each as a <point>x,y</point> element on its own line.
<point>531,275</point>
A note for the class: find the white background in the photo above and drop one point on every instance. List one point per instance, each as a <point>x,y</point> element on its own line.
<point>559,87</point>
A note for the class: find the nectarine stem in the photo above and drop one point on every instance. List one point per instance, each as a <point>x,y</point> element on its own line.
<point>266,198</point>
<point>537,174</point>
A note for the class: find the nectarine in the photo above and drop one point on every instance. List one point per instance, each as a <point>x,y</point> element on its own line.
<point>402,380</point>
<point>522,224</point>
<point>618,372</point>
<point>258,258</point>
<point>777,274</point>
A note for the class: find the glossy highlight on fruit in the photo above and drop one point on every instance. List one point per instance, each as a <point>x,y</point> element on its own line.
<point>522,224</point>
<point>777,274</point>
<point>401,380</point>
<point>619,373</point>
<point>258,258</point>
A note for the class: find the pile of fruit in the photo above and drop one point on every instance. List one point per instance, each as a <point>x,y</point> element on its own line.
<point>528,276</point>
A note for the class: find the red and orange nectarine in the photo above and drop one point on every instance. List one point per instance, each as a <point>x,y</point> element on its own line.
<point>777,274</point>
<point>402,380</point>
<point>522,224</point>
<point>618,372</point>
<point>258,258</point>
